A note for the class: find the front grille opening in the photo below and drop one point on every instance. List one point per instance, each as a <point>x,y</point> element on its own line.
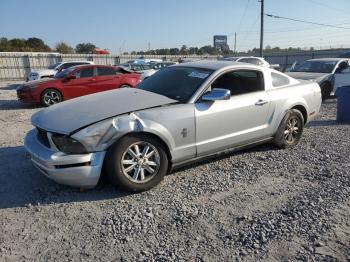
<point>42,137</point>
<point>73,165</point>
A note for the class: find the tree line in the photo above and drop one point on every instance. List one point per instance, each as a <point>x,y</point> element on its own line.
<point>34,44</point>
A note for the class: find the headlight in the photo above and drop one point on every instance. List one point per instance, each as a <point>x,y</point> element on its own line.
<point>94,135</point>
<point>68,145</point>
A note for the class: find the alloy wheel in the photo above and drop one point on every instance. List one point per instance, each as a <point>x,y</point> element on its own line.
<point>51,98</point>
<point>291,131</point>
<point>140,162</point>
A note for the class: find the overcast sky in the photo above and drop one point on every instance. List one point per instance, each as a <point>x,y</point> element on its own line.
<point>124,25</point>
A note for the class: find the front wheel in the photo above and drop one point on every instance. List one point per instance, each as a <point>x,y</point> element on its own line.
<point>50,97</point>
<point>136,163</point>
<point>290,130</point>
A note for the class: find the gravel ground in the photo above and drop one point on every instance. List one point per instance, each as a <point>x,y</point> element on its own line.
<point>259,204</point>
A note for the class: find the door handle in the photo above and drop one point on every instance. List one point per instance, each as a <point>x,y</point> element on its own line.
<point>261,102</point>
<point>92,80</point>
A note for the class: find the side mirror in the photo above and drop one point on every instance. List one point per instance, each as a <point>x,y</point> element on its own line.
<point>217,94</point>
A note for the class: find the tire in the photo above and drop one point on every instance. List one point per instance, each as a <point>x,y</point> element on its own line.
<point>127,166</point>
<point>50,97</point>
<point>326,90</point>
<point>125,86</point>
<point>290,130</point>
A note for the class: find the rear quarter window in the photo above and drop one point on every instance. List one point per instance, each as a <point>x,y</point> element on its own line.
<point>105,71</point>
<point>279,80</point>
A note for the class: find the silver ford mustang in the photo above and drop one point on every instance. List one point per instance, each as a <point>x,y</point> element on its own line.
<point>181,114</point>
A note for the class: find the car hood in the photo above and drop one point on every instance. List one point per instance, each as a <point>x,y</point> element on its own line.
<point>308,76</point>
<point>69,116</point>
<point>35,83</point>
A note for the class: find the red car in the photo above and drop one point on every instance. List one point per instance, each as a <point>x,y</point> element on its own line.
<point>76,81</point>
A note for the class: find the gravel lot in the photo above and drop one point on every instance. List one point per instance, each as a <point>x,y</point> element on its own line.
<point>259,204</point>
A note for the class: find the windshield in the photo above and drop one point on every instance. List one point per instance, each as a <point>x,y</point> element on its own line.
<point>53,66</point>
<point>64,73</point>
<point>178,83</point>
<point>315,67</point>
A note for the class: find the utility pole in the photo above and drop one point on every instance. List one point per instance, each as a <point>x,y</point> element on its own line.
<point>234,49</point>
<point>262,28</point>
<point>149,46</point>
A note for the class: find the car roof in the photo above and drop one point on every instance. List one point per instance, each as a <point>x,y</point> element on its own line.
<point>238,57</point>
<point>213,64</point>
<point>81,61</point>
<point>91,65</point>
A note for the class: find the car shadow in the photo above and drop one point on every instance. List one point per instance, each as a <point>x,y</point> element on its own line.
<point>254,149</point>
<point>11,86</point>
<point>16,105</point>
<point>22,184</point>
<point>318,123</point>
<point>331,100</point>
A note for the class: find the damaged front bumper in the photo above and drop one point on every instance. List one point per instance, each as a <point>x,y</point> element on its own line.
<point>81,170</point>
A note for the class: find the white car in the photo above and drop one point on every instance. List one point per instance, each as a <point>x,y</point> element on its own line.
<point>52,70</point>
<point>251,60</point>
<point>144,61</point>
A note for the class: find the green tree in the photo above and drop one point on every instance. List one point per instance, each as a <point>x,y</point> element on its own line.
<point>208,49</point>
<point>4,44</point>
<point>174,51</point>
<point>64,48</point>
<point>193,50</point>
<point>184,50</point>
<point>37,45</point>
<point>85,48</point>
<point>23,45</point>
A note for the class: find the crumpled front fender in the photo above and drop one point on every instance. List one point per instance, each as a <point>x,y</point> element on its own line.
<point>101,135</point>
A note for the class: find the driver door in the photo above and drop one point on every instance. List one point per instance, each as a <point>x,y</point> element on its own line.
<point>239,120</point>
<point>83,84</point>
<point>342,78</point>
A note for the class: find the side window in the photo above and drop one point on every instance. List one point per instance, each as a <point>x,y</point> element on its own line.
<point>343,68</point>
<point>67,65</point>
<point>279,80</point>
<point>137,68</point>
<point>86,72</point>
<point>157,66</point>
<point>240,81</point>
<point>105,71</point>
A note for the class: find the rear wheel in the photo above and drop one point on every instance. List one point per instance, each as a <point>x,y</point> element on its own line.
<point>136,163</point>
<point>290,130</point>
<point>125,86</point>
<point>50,97</point>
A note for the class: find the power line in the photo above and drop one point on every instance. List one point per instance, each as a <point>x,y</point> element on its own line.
<point>327,6</point>
<point>306,22</point>
<point>243,15</point>
<point>250,29</point>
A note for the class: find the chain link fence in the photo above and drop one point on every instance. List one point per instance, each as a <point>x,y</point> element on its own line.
<point>17,66</point>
